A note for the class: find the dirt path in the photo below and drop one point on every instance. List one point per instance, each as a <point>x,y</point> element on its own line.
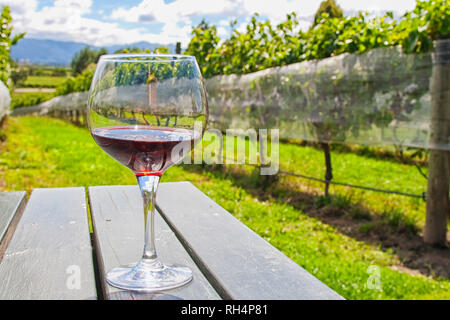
<point>22,90</point>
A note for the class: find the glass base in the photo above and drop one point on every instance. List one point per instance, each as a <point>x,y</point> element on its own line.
<point>149,276</point>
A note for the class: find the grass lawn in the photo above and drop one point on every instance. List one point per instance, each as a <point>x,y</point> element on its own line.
<point>43,81</point>
<point>363,171</point>
<point>44,152</point>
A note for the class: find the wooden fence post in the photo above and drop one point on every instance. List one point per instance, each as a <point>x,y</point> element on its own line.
<point>438,166</point>
<point>329,169</point>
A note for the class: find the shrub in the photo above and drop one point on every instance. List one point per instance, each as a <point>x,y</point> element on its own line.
<point>29,98</point>
<point>79,83</point>
<point>263,45</point>
<point>84,58</point>
<point>6,41</point>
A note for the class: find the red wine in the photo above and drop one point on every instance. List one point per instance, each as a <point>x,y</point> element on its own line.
<point>145,150</point>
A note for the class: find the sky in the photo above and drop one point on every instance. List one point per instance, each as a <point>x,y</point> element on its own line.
<point>106,22</point>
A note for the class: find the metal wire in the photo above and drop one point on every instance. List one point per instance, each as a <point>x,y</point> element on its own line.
<point>413,195</point>
<point>421,196</point>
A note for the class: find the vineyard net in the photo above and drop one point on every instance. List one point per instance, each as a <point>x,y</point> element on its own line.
<point>381,97</point>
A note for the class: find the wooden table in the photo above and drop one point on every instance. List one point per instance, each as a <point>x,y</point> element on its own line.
<point>47,251</point>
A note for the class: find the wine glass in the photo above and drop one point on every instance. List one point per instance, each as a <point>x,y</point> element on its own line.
<point>147,111</point>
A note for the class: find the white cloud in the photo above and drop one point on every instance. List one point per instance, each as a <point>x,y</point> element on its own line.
<point>66,19</point>
<point>222,32</point>
<point>73,6</point>
<point>157,11</point>
<point>224,23</point>
<point>276,10</point>
<point>179,10</point>
<point>399,6</point>
<point>20,6</point>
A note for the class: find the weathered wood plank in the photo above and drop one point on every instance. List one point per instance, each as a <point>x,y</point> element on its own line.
<point>11,208</point>
<point>50,253</point>
<point>239,263</point>
<point>118,222</point>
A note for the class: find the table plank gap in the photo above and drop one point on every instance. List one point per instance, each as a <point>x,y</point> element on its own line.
<point>209,274</point>
<point>118,224</point>
<point>12,205</point>
<point>50,253</point>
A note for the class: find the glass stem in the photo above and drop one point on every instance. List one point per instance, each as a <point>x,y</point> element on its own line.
<point>148,186</point>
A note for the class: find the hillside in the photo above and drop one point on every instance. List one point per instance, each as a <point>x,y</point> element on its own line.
<point>53,52</point>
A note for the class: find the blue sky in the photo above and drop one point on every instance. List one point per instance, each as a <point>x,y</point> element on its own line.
<point>105,22</point>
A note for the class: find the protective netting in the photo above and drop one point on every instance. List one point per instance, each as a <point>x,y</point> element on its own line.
<point>5,100</point>
<point>382,97</point>
<point>76,101</point>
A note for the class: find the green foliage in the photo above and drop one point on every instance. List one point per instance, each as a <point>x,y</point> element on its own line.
<point>334,36</point>
<point>430,20</point>
<point>37,76</point>
<point>84,58</point>
<point>132,50</point>
<point>434,16</point>
<point>25,99</point>
<point>162,49</point>
<point>43,81</point>
<point>19,76</point>
<point>81,82</point>
<point>263,45</point>
<point>45,71</point>
<point>5,45</point>
<point>203,46</point>
<point>330,8</point>
<point>58,71</point>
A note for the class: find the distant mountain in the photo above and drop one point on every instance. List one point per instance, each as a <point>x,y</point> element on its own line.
<point>54,52</point>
